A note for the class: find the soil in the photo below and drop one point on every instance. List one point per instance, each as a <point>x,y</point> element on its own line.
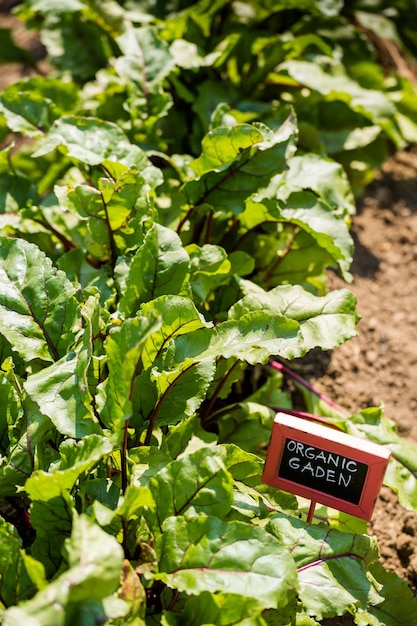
<point>379,366</point>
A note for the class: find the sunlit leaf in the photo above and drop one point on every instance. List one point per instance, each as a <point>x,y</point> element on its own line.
<point>95,561</point>
<point>39,311</point>
<point>194,483</point>
<point>124,348</point>
<point>159,267</point>
<point>331,566</point>
<point>235,162</point>
<point>234,556</point>
<point>31,106</point>
<point>321,319</point>
<point>62,394</point>
<point>179,316</point>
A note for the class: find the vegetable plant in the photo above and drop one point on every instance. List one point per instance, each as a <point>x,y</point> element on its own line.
<point>173,194</point>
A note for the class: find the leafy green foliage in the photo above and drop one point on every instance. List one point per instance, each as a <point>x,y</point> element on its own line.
<point>166,229</point>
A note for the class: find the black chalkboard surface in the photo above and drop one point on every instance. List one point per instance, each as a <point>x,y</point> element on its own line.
<point>325,465</point>
<point>331,473</point>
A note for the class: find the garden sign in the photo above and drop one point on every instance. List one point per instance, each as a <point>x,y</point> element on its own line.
<point>325,465</point>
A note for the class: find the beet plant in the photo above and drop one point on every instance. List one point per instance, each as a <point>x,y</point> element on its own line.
<point>173,194</point>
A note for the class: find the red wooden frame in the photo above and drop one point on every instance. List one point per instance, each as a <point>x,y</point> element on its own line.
<point>304,437</point>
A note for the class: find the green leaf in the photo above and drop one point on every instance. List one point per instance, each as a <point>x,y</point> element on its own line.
<point>194,483</point>
<point>253,338</point>
<point>179,316</point>
<point>324,177</point>
<point>38,309</point>
<point>159,267</point>
<point>147,461</point>
<point>29,436</point>
<point>10,52</point>
<point>124,348</point>
<point>328,236</point>
<point>147,60</point>
<point>10,410</point>
<point>331,565</point>
<point>236,162</point>
<point>31,106</point>
<point>262,328</point>
<point>96,558</point>
<point>252,497</point>
<point>61,393</point>
<point>95,562</point>
<point>120,191</point>
<point>185,436</point>
<point>322,224</point>
<point>370,102</point>
<point>205,554</point>
<point>247,425</point>
<point>65,25</point>
<point>94,141</point>
<point>15,583</point>
<point>209,268</point>
<point>401,474</point>
<point>152,60</point>
<point>221,609</point>
<point>324,321</point>
<point>112,202</point>
<point>167,396</point>
<point>78,457</point>
<point>51,515</point>
<point>399,606</point>
<point>16,193</point>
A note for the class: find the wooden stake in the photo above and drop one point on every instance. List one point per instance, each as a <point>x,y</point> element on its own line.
<point>311,512</point>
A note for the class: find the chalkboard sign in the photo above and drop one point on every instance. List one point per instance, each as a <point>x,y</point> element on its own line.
<point>325,465</point>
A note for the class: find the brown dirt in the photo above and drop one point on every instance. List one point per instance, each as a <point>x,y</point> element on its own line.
<point>26,39</point>
<point>379,366</point>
